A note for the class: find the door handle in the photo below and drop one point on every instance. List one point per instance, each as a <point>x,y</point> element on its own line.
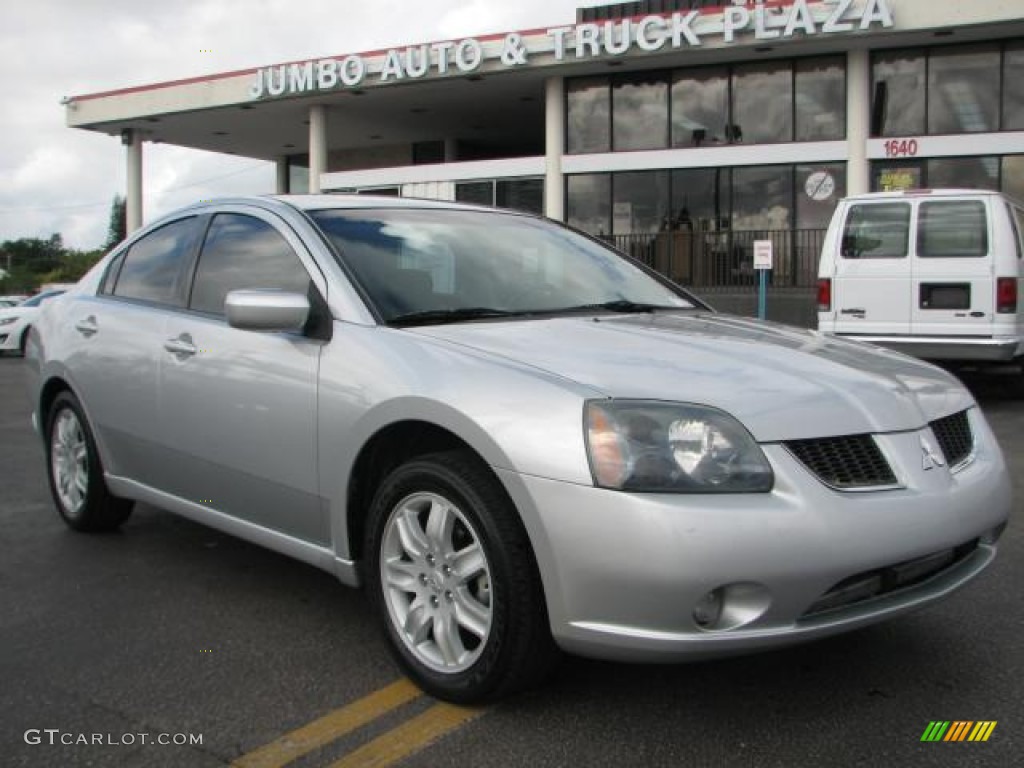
<point>87,327</point>
<point>181,347</point>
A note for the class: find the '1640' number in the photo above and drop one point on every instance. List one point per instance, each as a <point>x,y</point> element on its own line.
<point>901,148</point>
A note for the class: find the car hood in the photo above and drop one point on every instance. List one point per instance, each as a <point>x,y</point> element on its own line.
<point>783,383</point>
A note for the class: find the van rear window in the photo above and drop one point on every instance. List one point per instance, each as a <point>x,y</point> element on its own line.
<point>876,231</point>
<point>952,229</point>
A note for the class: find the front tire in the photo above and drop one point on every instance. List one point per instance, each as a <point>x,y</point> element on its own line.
<point>452,575</point>
<point>75,472</point>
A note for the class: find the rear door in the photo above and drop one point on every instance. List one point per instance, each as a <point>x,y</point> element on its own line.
<point>952,267</point>
<point>871,290</point>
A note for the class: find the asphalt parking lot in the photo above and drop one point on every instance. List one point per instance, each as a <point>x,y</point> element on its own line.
<point>170,629</point>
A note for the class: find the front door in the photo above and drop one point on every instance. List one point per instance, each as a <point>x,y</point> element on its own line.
<point>239,408</point>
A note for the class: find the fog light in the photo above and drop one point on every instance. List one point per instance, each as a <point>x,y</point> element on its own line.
<point>708,609</point>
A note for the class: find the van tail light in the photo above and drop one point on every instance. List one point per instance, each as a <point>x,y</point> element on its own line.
<point>825,294</point>
<point>1006,295</point>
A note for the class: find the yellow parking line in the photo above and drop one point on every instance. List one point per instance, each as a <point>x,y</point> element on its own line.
<point>408,738</point>
<point>330,727</point>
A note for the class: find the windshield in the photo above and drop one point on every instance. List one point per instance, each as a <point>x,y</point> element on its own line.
<point>448,265</point>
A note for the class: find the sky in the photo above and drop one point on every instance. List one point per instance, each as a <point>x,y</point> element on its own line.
<point>55,179</point>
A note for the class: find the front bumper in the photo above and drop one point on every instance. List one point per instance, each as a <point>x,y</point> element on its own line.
<point>623,573</point>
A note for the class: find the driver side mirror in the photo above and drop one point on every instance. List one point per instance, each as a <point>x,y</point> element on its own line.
<point>266,310</point>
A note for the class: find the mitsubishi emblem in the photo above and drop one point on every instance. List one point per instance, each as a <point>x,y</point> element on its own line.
<point>932,458</point>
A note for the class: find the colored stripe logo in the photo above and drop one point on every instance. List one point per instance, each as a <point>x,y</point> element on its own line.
<point>958,730</point>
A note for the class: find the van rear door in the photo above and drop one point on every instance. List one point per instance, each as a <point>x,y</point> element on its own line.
<point>872,272</point>
<point>952,267</point>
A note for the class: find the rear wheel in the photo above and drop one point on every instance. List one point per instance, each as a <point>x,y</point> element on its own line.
<point>452,574</point>
<point>75,472</point>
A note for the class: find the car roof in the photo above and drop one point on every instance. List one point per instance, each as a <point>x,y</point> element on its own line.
<point>346,201</point>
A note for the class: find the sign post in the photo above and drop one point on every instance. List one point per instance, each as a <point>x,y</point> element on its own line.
<point>762,263</point>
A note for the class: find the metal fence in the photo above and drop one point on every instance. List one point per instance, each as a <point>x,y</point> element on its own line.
<point>723,261</point>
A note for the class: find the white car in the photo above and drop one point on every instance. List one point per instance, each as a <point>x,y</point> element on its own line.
<point>16,321</point>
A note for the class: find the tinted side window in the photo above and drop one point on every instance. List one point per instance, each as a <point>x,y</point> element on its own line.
<point>242,252</point>
<point>1016,218</point>
<point>152,266</point>
<point>877,231</point>
<point>952,229</point>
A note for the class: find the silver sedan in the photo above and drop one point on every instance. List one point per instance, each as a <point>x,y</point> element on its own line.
<point>517,439</point>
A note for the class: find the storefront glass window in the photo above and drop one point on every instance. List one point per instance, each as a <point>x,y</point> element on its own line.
<point>1013,176</point>
<point>640,202</point>
<point>640,112</point>
<point>475,192</point>
<point>700,199</point>
<point>589,105</point>
<point>1013,87</point>
<point>520,195</point>
<point>818,189</point>
<point>589,203</point>
<point>762,197</point>
<point>820,99</point>
<point>966,172</point>
<point>898,99</point>
<point>700,107</point>
<point>963,90</point>
<point>762,98</point>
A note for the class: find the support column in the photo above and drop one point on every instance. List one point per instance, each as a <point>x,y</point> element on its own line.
<point>858,122</point>
<point>451,150</point>
<point>133,187</point>
<point>317,146</point>
<point>281,187</point>
<point>554,143</point>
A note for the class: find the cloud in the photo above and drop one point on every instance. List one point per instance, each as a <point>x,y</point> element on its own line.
<point>55,179</point>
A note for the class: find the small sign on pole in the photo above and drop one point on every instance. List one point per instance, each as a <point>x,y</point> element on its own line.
<point>762,263</point>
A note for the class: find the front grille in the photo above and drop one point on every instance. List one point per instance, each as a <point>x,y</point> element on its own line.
<point>882,581</point>
<point>955,437</point>
<point>846,463</point>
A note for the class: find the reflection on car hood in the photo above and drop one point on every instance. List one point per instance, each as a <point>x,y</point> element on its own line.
<point>783,383</point>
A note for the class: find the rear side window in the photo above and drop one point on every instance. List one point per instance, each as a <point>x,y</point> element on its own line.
<point>151,269</point>
<point>243,252</point>
<point>952,229</point>
<point>1015,223</point>
<point>876,231</point>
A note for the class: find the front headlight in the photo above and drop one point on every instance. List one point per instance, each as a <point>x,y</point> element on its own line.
<point>647,446</point>
<point>8,320</point>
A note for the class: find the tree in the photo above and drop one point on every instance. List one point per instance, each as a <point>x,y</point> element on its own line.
<point>118,228</point>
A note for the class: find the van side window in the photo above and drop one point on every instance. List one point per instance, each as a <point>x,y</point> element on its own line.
<point>1016,215</point>
<point>877,231</point>
<point>952,229</point>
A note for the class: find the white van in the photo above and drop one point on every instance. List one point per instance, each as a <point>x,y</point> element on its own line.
<point>933,273</point>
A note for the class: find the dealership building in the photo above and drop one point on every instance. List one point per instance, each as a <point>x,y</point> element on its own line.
<point>681,129</point>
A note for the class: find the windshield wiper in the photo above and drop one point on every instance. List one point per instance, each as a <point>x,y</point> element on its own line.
<point>442,316</point>
<point>620,305</point>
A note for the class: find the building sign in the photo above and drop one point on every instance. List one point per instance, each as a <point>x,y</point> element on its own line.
<point>755,18</point>
<point>897,179</point>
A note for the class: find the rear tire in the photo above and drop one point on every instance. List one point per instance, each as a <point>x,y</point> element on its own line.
<point>75,472</point>
<point>452,575</point>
